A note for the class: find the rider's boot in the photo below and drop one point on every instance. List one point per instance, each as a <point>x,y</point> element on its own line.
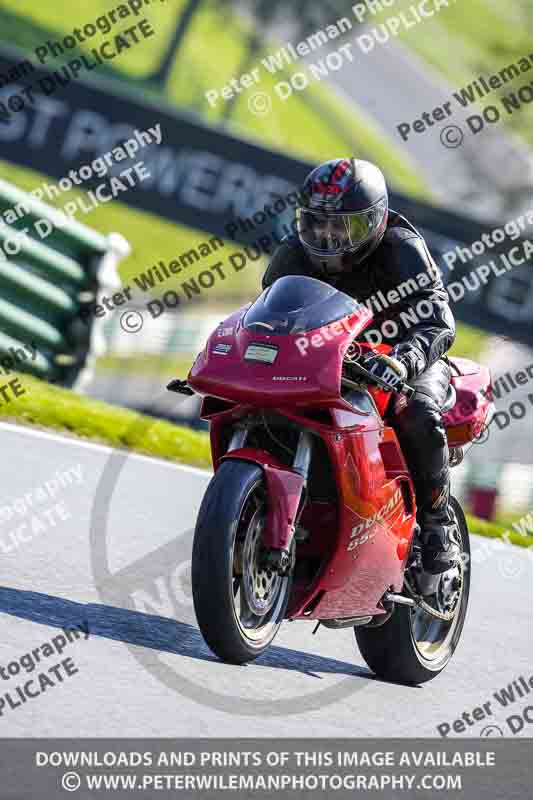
<point>438,524</point>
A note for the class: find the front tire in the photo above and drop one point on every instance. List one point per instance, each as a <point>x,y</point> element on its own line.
<point>412,647</point>
<point>239,604</point>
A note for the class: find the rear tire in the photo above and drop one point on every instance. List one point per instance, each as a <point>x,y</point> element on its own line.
<point>412,647</point>
<point>238,614</point>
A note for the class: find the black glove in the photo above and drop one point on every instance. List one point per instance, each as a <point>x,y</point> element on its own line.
<point>412,358</point>
<point>385,368</point>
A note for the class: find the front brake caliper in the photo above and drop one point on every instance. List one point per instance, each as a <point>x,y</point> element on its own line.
<point>280,561</point>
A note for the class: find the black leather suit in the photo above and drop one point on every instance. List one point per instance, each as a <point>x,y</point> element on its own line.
<point>412,314</point>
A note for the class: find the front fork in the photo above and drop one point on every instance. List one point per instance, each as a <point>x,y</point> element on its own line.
<point>286,488</point>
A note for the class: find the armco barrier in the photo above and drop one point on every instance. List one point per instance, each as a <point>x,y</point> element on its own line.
<point>52,269</point>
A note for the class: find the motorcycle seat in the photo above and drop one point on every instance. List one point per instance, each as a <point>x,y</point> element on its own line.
<point>450,400</point>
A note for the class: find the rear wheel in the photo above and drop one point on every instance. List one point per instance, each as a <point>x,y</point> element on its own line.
<point>239,602</point>
<point>413,646</point>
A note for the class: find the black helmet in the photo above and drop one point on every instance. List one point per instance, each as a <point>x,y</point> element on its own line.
<point>343,213</point>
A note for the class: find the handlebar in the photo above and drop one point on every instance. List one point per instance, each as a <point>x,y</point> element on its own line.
<point>182,387</point>
<point>404,388</point>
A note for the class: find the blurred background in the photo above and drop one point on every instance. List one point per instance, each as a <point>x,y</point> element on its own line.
<point>451,194</point>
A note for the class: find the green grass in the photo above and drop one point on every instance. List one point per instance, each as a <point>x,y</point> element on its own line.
<point>67,412</point>
<point>469,343</point>
<point>62,16</point>
<point>496,530</point>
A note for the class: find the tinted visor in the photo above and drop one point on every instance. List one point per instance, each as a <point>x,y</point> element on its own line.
<point>328,234</point>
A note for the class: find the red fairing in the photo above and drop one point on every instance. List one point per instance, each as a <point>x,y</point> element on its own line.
<point>286,487</point>
<point>307,368</point>
<point>375,522</point>
<point>357,510</point>
<point>466,419</point>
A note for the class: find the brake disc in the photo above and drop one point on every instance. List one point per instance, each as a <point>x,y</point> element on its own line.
<point>260,582</point>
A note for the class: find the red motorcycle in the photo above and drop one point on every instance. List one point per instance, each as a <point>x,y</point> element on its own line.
<point>311,512</point>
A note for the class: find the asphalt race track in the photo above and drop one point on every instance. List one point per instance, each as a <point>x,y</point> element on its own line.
<point>118,564</point>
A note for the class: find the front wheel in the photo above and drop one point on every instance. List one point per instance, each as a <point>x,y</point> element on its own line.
<point>413,646</point>
<point>239,602</point>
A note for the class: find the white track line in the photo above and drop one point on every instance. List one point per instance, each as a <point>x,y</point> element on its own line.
<point>56,437</point>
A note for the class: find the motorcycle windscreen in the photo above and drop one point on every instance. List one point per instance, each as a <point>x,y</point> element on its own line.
<point>295,304</point>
